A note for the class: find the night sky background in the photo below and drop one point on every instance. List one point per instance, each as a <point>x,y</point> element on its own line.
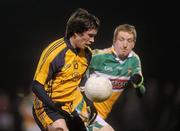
<point>28,26</point>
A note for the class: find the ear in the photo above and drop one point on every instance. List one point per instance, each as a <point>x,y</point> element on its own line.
<point>75,35</point>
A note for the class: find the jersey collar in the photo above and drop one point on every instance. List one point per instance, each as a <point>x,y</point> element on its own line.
<point>69,45</point>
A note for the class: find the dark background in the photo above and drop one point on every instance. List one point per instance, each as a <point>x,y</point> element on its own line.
<point>27,27</point>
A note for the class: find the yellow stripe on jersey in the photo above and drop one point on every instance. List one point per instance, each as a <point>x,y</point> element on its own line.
<point>46,53</point>
<point>51,48</point>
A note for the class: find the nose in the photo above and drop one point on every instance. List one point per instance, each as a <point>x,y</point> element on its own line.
<point>125,43</point>
<point>91,39</point>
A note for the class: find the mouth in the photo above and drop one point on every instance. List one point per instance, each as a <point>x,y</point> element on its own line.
<point>124,50</point>
<point>87,46</point>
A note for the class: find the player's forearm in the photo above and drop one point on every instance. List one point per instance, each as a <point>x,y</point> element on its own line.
<point>39,91</point>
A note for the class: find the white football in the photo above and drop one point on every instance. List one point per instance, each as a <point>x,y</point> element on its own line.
<point>98,88</point>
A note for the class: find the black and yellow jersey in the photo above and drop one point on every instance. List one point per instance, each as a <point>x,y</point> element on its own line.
<point>60,70</point>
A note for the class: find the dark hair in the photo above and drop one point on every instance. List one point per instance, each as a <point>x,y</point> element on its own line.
<point>80,21</point>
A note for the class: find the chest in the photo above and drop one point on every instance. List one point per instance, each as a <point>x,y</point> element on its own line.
<point>115,68</point>
<point>74,64</point>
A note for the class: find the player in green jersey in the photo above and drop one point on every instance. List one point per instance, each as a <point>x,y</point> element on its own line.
<point>122,66</point>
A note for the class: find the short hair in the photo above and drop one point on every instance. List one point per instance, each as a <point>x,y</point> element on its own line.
<point>126,28</point>
<point>80,21</point>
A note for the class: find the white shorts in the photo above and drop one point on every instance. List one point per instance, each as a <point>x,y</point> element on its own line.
<point>97,124</point>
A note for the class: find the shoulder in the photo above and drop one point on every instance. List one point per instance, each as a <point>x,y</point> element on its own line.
<point>54,49</point>
<point>135,58</point>
<point>135,55</point>
<point>101,55</point>
<point>101,51</point>
<point>57,44</point>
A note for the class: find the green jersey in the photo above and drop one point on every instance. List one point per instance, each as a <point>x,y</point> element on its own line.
<point>107,63</point>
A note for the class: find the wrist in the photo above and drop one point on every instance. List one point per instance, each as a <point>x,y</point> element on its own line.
<point>136,80</point>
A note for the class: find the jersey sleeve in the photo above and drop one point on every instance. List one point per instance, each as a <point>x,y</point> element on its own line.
<point>138,70</point>
<point>44,70</point>
<point>137,65</point>
<point>48,66</point>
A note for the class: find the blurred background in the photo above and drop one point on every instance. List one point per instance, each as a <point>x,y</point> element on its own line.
<point>28,26</point>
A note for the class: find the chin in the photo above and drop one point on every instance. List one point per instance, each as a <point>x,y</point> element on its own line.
<point>123,56</point>
<point>82,48</point>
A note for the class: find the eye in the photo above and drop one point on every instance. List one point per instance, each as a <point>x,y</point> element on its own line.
<point>121,39</point>
<point>130,40</point>
<point>91,35</point>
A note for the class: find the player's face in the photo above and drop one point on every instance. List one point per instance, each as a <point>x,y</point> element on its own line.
<point>124,44</point>
<point>85,39</point>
